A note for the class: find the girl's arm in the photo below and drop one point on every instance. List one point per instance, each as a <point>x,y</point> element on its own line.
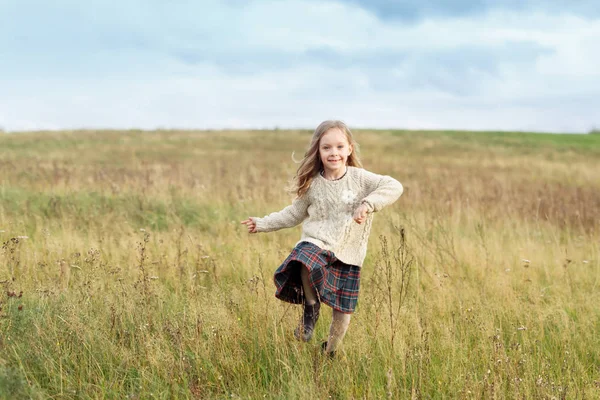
<point>382,190</point>
<point>289,217</point>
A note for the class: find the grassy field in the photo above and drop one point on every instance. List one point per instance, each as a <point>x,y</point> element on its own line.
<point>125,272</point>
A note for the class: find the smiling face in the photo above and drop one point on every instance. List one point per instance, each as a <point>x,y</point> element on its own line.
<point>334,150</point>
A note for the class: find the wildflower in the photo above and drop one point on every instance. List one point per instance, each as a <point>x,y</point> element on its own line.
<point>539,381</point>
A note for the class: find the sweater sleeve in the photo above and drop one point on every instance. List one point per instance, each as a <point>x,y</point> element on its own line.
<point>382,190</point>
<point>289,217</point>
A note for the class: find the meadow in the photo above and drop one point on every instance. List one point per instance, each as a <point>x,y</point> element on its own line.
<point>125,272</point>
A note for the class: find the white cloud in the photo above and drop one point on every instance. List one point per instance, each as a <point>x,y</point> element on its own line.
<point>181,64</point>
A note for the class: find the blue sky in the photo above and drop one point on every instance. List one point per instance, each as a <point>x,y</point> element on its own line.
<point>430,64</point>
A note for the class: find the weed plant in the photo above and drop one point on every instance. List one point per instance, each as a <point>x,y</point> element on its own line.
<point>125,273</point>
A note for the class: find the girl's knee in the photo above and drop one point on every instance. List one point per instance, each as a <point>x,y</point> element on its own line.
<point>340,319</point>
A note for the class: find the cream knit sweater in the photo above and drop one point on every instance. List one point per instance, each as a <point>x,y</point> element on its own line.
<point>327,210</point>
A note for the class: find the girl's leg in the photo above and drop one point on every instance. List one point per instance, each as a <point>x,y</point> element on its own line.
<point>312,307</point>
<point>310,295</point>
<point>339,326</point>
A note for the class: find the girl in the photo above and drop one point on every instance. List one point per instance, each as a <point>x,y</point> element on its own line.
<point>335,201</point>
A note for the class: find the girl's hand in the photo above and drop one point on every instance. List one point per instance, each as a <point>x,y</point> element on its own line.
<point>250,224</point>
<point>360,214</point>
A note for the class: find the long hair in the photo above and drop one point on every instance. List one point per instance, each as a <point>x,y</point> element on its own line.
<point>311,164</point>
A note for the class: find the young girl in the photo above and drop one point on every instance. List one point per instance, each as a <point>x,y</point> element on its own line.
<point>335,201</point>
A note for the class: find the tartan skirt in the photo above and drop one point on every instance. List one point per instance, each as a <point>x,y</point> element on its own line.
<point>336,283</point>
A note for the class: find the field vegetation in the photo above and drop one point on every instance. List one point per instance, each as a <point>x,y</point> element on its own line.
<point>125,272</point>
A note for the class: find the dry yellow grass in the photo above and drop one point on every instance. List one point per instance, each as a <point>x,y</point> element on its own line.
<point>137,280</point>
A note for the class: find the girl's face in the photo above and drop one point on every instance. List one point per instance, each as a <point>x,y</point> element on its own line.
<point>334,150</point>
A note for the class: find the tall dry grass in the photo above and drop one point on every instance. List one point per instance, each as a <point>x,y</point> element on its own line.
<point>125,271</point>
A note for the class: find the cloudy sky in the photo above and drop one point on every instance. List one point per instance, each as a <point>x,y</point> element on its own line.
<point>428,64</point>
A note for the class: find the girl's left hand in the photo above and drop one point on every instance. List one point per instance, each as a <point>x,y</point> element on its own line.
<point>360,214</point>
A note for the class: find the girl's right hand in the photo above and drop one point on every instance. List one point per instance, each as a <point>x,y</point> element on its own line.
<point>250,224</point>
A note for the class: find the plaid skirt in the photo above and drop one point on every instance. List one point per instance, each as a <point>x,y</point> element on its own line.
<point>336,283</point>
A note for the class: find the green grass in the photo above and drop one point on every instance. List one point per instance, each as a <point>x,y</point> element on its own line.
<point>138,280</point>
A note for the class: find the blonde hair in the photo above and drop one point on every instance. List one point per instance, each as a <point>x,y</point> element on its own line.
<point>311,164</point>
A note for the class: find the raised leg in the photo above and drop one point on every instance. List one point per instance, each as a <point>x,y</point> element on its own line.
<point>310,296</point>
<point>312,307</point>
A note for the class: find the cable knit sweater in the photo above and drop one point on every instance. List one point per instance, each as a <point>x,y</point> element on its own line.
<point>327,210</point>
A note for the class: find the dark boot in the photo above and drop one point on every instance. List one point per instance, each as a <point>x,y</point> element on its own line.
<point>330,354</point>
<point>305,329</point>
